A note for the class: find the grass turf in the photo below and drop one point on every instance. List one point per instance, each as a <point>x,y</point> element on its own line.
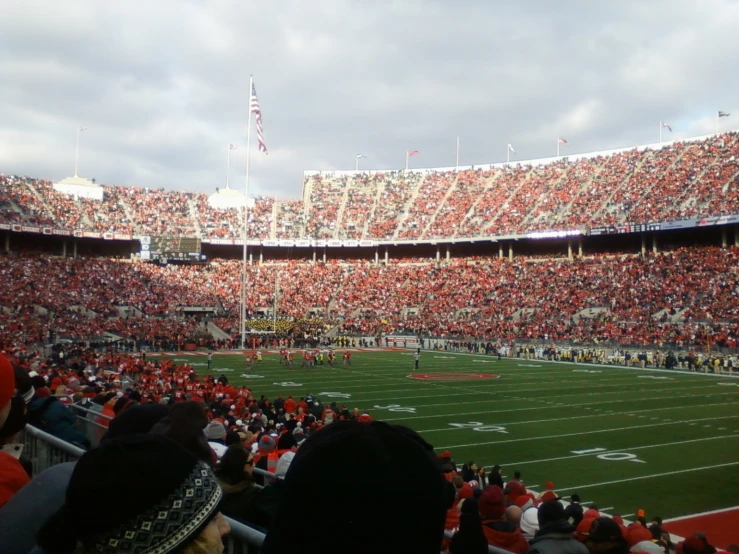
<point>667,440</point>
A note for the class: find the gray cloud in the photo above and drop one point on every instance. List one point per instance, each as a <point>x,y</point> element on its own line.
<point>163,86</point>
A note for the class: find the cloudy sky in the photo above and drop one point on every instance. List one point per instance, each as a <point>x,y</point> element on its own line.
<point>162,85</point>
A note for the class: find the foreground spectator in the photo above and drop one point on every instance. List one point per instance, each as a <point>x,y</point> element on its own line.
<point>360,468</point>
<point>497,530</point>
<point>49,414</point>
<point>555,532</point>
<point>12,409</point>
<point>469,539</point>
<point>605,537</point>
<point>239,487</point>
<point>25,513</point>
<point>167,479</point>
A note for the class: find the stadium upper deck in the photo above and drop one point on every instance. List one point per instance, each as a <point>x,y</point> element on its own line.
<point>694,178</point>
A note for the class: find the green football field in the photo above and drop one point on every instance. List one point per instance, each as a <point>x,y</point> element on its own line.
<point>625,439</point>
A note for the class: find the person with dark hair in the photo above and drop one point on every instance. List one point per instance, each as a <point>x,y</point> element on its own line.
<point>708,548</point>
<point>469,539</point>
<point>496,477</point>
<point>185,424</point>
<point>555,532</point>
<point>50,415</point>
<point>359,468</point>
<point>605,537</point>
<point>234,473</point>
<point>175,507</point>
<point>514,488</point>
<point>574,511</point>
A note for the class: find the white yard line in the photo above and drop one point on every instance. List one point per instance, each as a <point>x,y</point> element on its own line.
<point>533,407</point>
<point>624,449</point>
<point>586,416</point>
<point>594,432</point>
<point>708,513</point>
<point>652,476</point>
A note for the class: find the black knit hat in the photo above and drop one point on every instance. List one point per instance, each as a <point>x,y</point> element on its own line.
<point>360,468</point>
<point>137,419</point>
<point>162,498</point>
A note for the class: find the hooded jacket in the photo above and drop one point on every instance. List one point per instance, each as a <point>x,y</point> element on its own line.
<point>557,538</point>
<point>505,535</point>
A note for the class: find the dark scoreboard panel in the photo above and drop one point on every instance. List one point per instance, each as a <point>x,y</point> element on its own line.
<point>174,245</point>
<point>170,248</point>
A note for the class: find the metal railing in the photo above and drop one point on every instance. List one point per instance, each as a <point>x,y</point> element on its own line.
<point>45,450</point>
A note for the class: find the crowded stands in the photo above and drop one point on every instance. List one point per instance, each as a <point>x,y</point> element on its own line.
<point>683,297</point>
<point>680,180</point>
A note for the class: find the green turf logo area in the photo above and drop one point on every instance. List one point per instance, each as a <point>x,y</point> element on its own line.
<point>456,376</point>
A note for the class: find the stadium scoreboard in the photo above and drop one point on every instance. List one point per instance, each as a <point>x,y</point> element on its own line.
<point>184,249</point>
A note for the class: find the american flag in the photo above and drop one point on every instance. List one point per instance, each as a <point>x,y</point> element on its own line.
<point>413,153</point>
<point>232,147</point>
<point>257,111</point>
<point>667,126</point>
<point>83,128</point>
<point>723,114</point>
<point>562,141</point>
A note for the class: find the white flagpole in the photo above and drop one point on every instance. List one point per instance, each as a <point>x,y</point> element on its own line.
<point>558,147</point>
<point>508,153</point>
<point>228,163</point>
<point>457,153</point>
<point>406,160</point>
<point>660,131</point>
<point>77,150</point>
<point>717,118</point>
<point>246,221</point>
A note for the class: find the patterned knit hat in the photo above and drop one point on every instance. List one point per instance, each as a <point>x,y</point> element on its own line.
<point>165,498</point>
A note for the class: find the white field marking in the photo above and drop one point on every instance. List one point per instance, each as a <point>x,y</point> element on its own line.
<point>587,416</point>
<point>699,514</point>
<point>629,515</point>
<point>542,401</point>
<point>652,476</point>
<point>497,394</point>
<point>594,432</point>
<point>467,392</point>
<point>621,367</point>
<point>521,409</point>
<point>605,509</point>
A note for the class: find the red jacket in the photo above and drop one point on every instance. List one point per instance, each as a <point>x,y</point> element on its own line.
<point>505,535</point>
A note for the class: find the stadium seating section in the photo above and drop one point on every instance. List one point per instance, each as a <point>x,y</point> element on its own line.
<point>664,298</point>
<point>682,180</point>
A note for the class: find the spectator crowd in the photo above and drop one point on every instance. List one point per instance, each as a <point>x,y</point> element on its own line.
<point>685,297</point>
<point>682,180</point>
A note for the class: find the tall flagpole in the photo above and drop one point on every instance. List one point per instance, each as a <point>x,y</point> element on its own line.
<point>558,147</point>
<point>406,160</point>
<point>717,117</point>
<point>228,164</point>
<point>457,152</point>
<point>246,221</point>
<point>77,148</point>
<point>660,131</point>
